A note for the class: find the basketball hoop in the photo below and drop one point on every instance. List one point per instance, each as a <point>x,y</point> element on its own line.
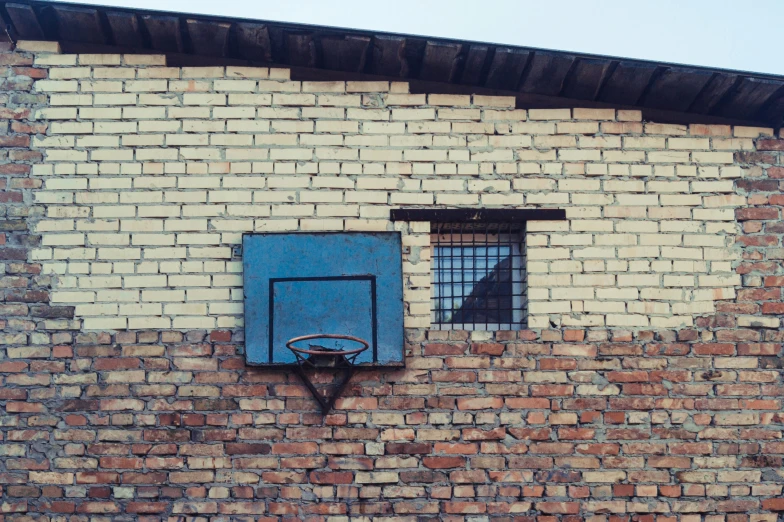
<point>321,358</point>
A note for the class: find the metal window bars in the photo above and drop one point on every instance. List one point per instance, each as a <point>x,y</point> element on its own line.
<point>478,276</point>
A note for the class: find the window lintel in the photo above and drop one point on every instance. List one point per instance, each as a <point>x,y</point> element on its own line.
<point>477,215</point>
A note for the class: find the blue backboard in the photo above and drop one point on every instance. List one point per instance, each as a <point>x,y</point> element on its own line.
<point>347,283</point>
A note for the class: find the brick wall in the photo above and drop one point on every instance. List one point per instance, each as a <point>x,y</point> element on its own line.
<point>657,395</point>
<point>151,174</point>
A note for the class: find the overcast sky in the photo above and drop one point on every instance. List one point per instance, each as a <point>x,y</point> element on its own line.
<point>733,34</point>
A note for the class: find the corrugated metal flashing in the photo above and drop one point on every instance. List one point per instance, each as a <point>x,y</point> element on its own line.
<point>538,78</point>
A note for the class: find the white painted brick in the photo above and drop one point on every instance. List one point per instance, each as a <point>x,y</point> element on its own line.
<point>174,198</point>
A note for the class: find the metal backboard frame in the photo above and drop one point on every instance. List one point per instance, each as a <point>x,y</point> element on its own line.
<point>279,266</point>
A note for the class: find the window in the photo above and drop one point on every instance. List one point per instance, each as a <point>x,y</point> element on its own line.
<point>478,269</point>
<point>478,278</point>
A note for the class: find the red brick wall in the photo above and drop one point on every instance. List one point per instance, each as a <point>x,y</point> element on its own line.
<point>527,425</point>
<point>546,425</point>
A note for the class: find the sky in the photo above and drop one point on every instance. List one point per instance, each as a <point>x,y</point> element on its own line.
<point>731,34</point>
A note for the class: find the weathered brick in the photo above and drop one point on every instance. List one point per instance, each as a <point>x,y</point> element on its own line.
<point>653,311</point>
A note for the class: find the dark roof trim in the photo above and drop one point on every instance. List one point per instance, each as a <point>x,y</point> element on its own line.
<point>477,215</point>
<point>664,91</point>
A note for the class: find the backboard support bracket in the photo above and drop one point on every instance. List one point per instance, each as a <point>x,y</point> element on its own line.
<point>326,403</point>
<point>340,360</point>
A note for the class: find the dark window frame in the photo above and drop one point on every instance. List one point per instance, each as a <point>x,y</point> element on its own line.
<point>478,276</point>
<point>480,223</point>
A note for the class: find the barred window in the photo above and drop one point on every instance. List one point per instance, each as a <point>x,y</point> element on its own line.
<point>478,276</point>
